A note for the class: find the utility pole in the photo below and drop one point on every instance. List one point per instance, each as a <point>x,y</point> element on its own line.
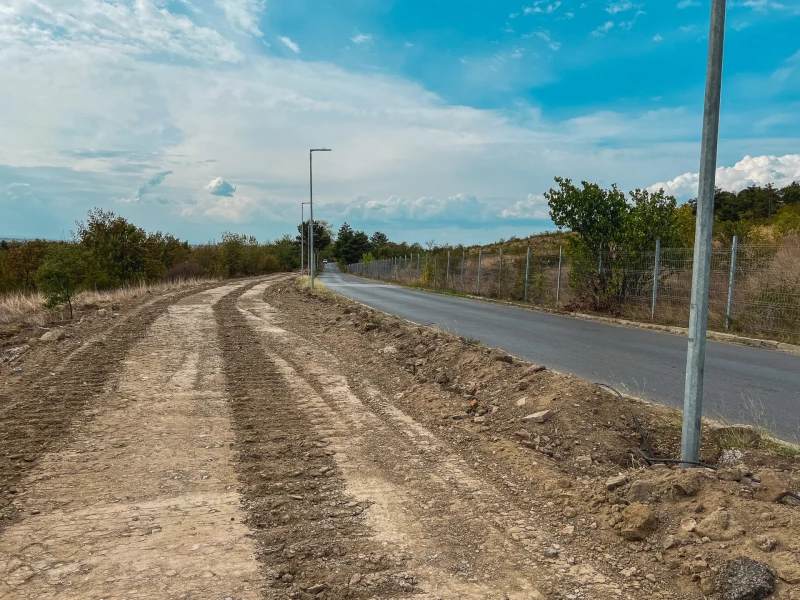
<point>311,217</point>
<point>698,315</point>
<point>302,235</point>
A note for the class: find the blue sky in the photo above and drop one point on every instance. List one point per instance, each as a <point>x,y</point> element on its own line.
<point>448,120</point>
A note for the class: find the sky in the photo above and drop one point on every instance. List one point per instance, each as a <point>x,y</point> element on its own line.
<point>447,120</point>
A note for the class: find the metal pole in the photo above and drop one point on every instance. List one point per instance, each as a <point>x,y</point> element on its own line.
<point>480,260</point>
<point>731,282</point>
<point>655,279</point>
<point>311,217</point>
<point>463,256</point>
<point>435,269</point>
<point>698,315</point>
<point>500,278</point>
<point>417,265</point>
<point>447,278</point>
<point>527,272</point>
<point>558,281</point>
<point>302,236</point>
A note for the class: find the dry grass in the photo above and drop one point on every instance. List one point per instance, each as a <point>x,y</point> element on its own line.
<point>304,283</point>
<point>30,308</point>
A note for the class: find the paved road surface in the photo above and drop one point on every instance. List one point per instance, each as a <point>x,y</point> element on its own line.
<point>740,382</point>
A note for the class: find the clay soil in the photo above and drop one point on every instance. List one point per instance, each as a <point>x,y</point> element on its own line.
<point>252,440</point>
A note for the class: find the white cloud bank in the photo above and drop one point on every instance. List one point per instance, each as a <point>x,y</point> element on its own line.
<point>751,170</point>
<point>220,187</point>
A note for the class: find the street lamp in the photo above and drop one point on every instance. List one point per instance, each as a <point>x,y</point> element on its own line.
<point>698,314</point>
<point>311,217</point>
<point>302,235</point>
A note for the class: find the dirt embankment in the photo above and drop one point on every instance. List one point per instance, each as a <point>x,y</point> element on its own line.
<point>567,452</point>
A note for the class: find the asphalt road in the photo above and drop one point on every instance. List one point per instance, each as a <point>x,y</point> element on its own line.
<point>742,384</point>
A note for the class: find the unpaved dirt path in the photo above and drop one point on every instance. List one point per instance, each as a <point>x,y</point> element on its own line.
<point>142,502</point>
<point>410,515</point>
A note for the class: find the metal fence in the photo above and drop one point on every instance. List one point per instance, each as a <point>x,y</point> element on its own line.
<point>754,290</point>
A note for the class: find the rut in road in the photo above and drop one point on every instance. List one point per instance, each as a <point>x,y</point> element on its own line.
<point>387,482</point>
<point>142,502</point>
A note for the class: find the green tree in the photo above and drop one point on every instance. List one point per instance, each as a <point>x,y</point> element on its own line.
<point>379,240</point>
<point>595,214</point>
<point>650,217</point>
<point>60,274</point>
<point>323,234</point>
<point>114,249</point>
<point>351,245</point>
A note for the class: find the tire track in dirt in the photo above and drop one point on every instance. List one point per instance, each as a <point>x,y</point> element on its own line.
<point>142,502</point>
<point>39,411</point>
<point>313,541</point>
<point>464,539</point>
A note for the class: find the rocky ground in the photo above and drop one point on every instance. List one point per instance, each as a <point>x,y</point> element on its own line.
<point>254,440</point>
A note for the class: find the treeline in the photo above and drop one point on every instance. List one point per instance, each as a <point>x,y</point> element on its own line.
<point>107,251</point>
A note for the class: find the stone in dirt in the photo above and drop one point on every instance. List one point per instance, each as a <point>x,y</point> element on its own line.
<point>53,335</point>
<point>13,354</point>
<point>746,579</point>
<point>687,483</point>
<point>389,350</point>
<point>613,483</point>
<point>500,356</point>
<point>640,491</point>
<point>522,401</point>
<point>539,417</point>
<point>638,522</point>
<point>533,370</point>
<point>718,526</point>
<point>787,565</point>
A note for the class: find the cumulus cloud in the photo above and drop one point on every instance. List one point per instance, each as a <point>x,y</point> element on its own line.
<point>361,38</point>
<point>536,8</point>
<point>533,207</point>
<point>220,187</point>
<point>243,14</point>
<point>687,3</point>
<point>751,170</point>
<point>289,44</point>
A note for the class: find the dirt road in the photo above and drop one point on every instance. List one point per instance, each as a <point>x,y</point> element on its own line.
<point>238,443</point>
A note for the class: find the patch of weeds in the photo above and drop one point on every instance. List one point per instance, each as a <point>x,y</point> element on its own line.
<point>471,341</point>
<point>780,449</point>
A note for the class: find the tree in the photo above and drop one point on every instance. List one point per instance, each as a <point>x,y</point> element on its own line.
<point>595,214</point>
<point>379,239</point>
<point>650,217</point>
<point>351,245</point>
<point>323,234</point>
<point>24,258</point>
<point>59,276</point>
<point>114,250</point>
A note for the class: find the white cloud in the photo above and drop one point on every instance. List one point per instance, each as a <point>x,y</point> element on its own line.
<point>148,184</point>
<point>618,7</point>
<point>220,187</point>
<point>243,14</point>
<point>536,8</point>
<point>289,44</point>
<point>603,29</point>
<point>657,37</point>
<point>766,5</point>
<point>687,3</point>
<point>361,38</point>
<point>554,46</point>
<point>533,207</point>
<point>751,170</point>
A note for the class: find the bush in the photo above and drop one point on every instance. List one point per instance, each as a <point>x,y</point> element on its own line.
<point>60,275</point>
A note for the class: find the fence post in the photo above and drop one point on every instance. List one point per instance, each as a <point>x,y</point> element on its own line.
<point>418,272</point>
<point>463,255</point>
<point>500,278</point>
<point>527,272</point>
<point>731,282</point>
<point>447,279</point>
<point>558,281</point>
<point>480,260</point>
<point>655,279</point>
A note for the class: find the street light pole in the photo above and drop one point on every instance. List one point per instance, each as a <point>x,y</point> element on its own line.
<point>302,235</point>
<point>698,315</point>
<point>311,217</point>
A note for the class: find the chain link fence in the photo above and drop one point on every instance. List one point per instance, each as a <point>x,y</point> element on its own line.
<point>754,290</point>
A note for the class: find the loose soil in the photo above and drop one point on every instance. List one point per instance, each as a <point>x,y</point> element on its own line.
<point>252,440</point>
